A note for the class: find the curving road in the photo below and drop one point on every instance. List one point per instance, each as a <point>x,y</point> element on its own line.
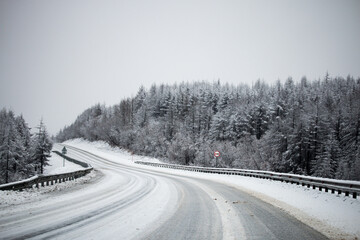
<point>126,201</point>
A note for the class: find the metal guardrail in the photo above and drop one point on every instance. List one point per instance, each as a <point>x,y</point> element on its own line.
<point>339,186</point>
<point>83,164</point>
<point>42,180</point>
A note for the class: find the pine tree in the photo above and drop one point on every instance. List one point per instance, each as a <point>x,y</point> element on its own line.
<point>41,148</point>
<point>259,120</point>
<point>239,127</point>
<point>12,150</point>
<point>219,127</point>
<point>25,167</point>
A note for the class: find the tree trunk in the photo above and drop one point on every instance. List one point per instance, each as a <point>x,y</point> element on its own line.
<point>42,163</point>
<point>7,169</point>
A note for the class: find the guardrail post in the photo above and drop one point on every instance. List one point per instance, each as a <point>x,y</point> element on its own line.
<point>347,193</point>
<point>354,195</point>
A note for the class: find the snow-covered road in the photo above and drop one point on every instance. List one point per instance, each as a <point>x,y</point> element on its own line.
<point>125,201</point>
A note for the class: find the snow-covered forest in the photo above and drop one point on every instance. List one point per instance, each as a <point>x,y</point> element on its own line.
<point>305,127</point>
<point>22,154</point>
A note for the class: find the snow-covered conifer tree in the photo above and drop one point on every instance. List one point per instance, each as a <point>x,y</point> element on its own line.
<point>42,146</point>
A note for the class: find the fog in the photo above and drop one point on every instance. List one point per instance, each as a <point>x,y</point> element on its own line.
<point>59,57</point>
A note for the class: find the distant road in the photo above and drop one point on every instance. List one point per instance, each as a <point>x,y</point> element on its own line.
<point>128,201</point>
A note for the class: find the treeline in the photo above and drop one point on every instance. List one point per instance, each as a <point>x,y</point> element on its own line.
<point>305,127</point>
<point>22,154</point>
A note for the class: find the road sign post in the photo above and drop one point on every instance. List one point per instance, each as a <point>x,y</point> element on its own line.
<point>216,155</point>
<point>64,151</point>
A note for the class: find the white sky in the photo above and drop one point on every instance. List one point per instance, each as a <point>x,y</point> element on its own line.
<point>58,58</point>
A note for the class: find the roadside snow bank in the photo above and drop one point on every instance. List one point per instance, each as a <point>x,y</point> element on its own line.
<point>103,149</point>
<point>11,198</point>
<point>334,215</point>
<point>56,165</point>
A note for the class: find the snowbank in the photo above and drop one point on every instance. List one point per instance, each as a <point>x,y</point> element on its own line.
<point>10,198</point>
<point>56,165</point>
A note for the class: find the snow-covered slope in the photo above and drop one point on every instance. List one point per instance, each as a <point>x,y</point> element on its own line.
<point>56,165</point>
<point>105,150</point>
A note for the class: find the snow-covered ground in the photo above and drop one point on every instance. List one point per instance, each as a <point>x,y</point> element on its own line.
<point>105,150</point>
<point>56,165</point>
<point>9,198</point>
<point>331,214</point>
<point>13,198</point>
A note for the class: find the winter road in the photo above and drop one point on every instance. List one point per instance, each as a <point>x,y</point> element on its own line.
<point>126,201</point>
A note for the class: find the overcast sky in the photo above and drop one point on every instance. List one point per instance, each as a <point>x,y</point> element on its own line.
<point>58,58</point>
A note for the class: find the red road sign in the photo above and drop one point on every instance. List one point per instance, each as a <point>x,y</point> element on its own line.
<point>217,154</point>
